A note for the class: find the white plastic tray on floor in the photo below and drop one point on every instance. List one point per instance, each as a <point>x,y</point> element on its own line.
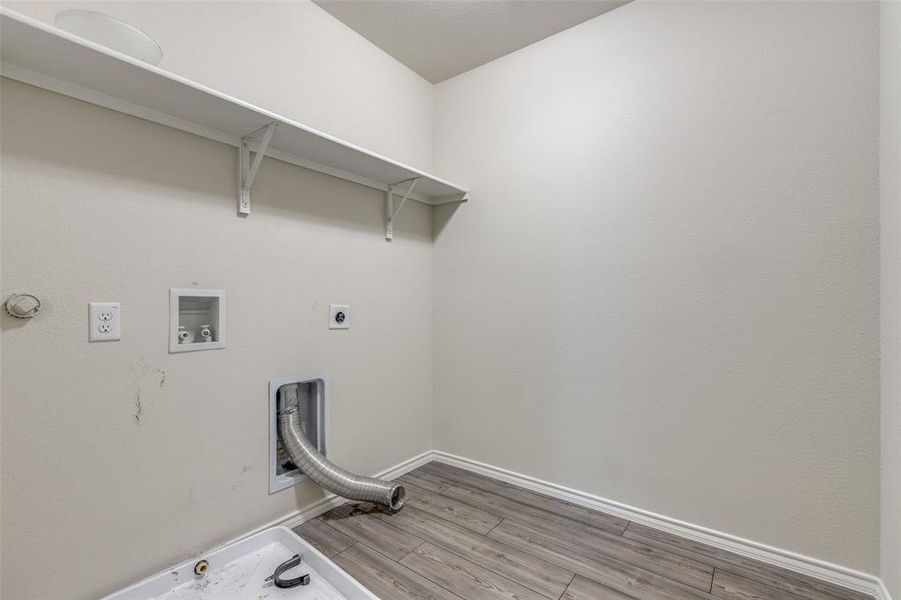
<point>238,572</point>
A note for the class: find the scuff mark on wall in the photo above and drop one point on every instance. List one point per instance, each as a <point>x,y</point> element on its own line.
<point>145,375</point>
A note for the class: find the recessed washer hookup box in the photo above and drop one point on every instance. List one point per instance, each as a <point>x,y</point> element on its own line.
<point>239,571</point>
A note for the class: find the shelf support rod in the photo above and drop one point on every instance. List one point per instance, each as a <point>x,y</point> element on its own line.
<point>392,212</point>
<point>247,170</point>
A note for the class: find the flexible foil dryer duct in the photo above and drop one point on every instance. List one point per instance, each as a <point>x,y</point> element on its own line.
<point>329,475</point>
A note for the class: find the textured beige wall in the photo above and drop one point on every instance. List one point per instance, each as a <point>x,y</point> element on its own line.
<point>666,292</point>
<point>289,57</point>
<point>890,197</point>
<point>98,206</point>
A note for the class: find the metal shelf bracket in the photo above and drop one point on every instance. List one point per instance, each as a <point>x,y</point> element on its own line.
<point>247,169</point>
<point>391,212</point>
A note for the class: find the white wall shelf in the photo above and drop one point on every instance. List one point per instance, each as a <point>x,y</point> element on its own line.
<point>53,59</point>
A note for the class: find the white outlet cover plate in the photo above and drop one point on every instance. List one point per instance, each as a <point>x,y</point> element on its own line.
<point>333,310</point>
<point>104,322</point>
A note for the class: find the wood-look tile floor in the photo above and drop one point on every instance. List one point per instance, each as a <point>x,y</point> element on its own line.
<point>465,536</point>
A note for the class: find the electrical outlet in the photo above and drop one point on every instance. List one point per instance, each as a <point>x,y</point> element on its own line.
<point>339,316</point>
<point>104,322</point>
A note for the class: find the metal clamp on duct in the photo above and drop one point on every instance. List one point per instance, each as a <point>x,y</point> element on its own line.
<point>326,473</point>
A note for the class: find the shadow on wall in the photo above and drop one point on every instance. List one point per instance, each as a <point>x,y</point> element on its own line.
<point>166,160</point>
<point>441,216</point>
<point>8,323</point>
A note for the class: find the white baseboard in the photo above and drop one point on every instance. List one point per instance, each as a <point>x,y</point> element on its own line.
<point>837,574</point>
<point>843,576</point>
<point>330,501</point>
<point>323,505</point>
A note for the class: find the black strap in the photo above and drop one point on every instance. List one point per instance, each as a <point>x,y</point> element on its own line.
<point>288,583</point>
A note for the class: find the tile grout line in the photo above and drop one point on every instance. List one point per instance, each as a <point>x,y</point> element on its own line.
<point>418,546</point>
<point>423,575</point>
<point>475,487</point>
<point>387,524</point>
<point>610,556</point>
<point>353,539</point>
<point>741,571</point>
<point>414,571</point>
<point>495,527</point>
<point>439,545</point>
<point>487,535</point>
<point>634,566</point>
<point>355,544</point>
<point>470,488</point>
<point>567,587</point>
<point>624,533</point>
<point>627,532</point>
<point>467,505</point>
<point>817,576</point>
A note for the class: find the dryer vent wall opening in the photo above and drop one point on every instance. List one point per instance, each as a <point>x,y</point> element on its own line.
<point>309,393</point>
<point>291,399</point>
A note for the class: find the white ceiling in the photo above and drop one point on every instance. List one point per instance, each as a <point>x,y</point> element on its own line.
<point>442,38</point>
